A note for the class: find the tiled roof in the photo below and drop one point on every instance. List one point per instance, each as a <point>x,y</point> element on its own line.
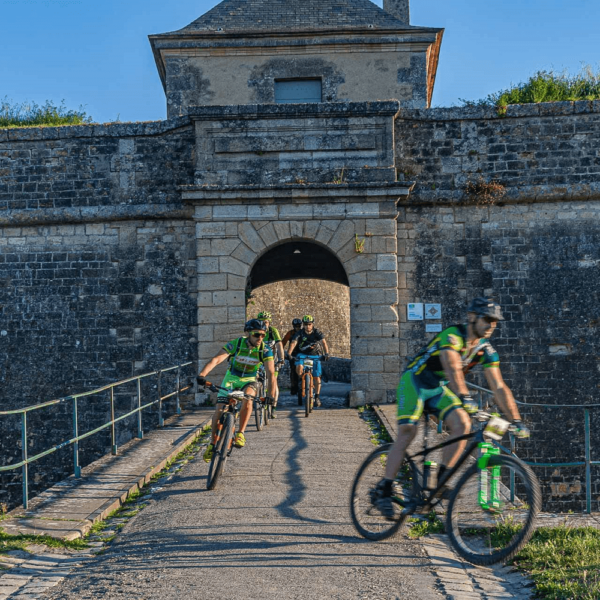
<point>232,16</point>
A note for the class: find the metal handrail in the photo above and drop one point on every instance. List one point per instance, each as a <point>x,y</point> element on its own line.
<point>26,460</point>
<point>587,463</point>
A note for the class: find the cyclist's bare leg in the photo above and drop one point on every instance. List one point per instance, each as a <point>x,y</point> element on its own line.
<point>317,384</point>
<point>406,433</point>
<point>215,419</point>
<point>459,423</point>
<point>246,410</point>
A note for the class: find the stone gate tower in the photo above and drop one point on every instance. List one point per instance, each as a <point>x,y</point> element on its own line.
<point>294,106</point>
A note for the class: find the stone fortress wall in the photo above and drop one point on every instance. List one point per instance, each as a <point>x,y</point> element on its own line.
<point>99,277</point>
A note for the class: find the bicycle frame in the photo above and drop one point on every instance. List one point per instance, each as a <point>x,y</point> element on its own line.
<point>488,450</point>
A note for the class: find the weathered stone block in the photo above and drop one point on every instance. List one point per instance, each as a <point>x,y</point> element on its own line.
<point>207,264</point>
<point>224,247</point>
<point>382,279</point>
<point>384,313</point>
<point>282,230</point>
<point>374,296</point>
<point>250,237</point>
<point>262,211</point>
<point>310,229</point>
<point>365,330</point>
<point>244,254</point>
<point>268,235</point>
<point>381,226</point>
<point>212,315</point>
<point>212,282</point>
<point>228,264</point>
<point>229,298</point>
<point>364,364</point>
<point>387,262</point>
<point>210,229</point>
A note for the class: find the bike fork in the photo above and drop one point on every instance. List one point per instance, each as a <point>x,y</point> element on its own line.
<point>489,490</point>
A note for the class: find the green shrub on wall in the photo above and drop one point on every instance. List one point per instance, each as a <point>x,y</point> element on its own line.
<point>547,86</point>
<point>30,114</point>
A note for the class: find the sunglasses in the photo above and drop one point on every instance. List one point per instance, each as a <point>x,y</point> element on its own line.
<point>258,335</point>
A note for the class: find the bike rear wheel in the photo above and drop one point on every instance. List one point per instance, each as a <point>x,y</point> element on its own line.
<point>486,522</point>
<point>217,464</point>
<point>366,517</point>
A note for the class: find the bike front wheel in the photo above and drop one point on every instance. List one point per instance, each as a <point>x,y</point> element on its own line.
<point>492,512</point>
<point>306,394</point>
<point>259,410</point>
<point>217,464</point>
<point>366,517</point>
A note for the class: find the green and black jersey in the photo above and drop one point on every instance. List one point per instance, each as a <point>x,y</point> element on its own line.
<point>246,359</point>
<point>272,337</point>
<point>427,366</point>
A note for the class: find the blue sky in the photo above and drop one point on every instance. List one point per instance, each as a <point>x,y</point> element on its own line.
<point>96,53</point>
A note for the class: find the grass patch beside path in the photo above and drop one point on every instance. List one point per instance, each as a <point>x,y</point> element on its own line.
<point>564,562</point>
<point>20,542</point>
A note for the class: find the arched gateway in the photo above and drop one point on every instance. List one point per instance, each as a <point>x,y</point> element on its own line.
<point>340,197</point>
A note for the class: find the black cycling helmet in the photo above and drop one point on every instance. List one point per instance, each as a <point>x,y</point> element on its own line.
<point>255,325</point>
<point>485,307</point>
<point>297,323</point>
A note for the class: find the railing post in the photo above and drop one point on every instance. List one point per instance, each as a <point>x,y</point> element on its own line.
<point>588,465</point>
<point>24,458</point>
<point>112,418</point>
<point>177,394</point>
<point>76,467</point>
<point>140,432</point>
<point>161,421</point>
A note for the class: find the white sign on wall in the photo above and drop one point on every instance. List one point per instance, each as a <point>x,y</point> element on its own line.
<point>433,327</point>
<point>414,311</point>
<point>433,311</point>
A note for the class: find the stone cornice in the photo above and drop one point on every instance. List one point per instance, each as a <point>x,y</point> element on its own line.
<point>345,192</point>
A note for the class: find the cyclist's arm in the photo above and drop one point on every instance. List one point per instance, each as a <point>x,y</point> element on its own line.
<point>279,350</point>
<point>452,366</point>
<point>270,371</point>
<point>325,347</point>
<point>213,362</point>
<point>293,344</point>
<point>502,393</point>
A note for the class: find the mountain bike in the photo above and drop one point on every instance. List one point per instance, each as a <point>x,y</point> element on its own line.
<point>306,392</point>
<point>225,430</point>
<point>491,510</point>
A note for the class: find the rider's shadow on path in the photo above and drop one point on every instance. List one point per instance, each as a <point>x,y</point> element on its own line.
<point>292,478</point>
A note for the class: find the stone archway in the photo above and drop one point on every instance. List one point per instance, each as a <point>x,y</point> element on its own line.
<point>232,238</point>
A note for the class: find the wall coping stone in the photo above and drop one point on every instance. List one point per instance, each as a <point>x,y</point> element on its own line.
<point>282,111</point>
<point>113,130</point>
<point>96,214</point>
<point>463,113</point>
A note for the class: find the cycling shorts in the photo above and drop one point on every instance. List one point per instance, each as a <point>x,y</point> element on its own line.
<point>413,398</point>
<point>233,382</point>
<point>317,369</point>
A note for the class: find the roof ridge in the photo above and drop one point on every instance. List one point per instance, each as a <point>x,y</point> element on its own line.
<point>293,15</point>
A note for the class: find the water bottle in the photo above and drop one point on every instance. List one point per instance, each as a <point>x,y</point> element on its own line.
<point>429,475</point>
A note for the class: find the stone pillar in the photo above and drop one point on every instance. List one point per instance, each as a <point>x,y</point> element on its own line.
<point>399,9</point>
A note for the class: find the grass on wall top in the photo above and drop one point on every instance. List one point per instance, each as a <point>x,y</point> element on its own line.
<point>30,114</point>
<point>547,86</point>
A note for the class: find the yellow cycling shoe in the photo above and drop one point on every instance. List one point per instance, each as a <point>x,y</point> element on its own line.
<point>208,453</point>
<point>240,440</point>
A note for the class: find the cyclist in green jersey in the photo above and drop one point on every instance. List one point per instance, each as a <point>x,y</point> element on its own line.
<point>273,340</point>
<point>435,378</point>
<point>245,355</point>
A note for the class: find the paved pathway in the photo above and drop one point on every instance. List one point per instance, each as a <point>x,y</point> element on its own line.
<point>276,527</point>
